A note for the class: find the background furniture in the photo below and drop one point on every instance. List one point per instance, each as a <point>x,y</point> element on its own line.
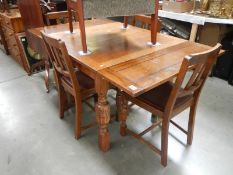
<point>196,20</point>
<point>56,17</point>
<point>31,62</point>
<point>12,31</point>
<point>11,25</point>
<point>69,80</point>
<point>170,99</point>
<point>32,17</point>
<point>3,43</point>
<point>4,6</point>
<point>104,8</point>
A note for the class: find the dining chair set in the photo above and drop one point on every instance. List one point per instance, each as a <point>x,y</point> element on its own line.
<point>165,101</point>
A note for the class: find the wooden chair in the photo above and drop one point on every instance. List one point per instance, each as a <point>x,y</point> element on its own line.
<point>106,8</point>
<point>144,22</point>
<point>69,79</point>
<point>169,99</point>
<point>31,15</point>
<point>59,17</point>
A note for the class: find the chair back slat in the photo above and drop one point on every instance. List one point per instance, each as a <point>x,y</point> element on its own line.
<point>61,60</point>
<point>196,75</point>
<point>199,65</point>
<point>59,17</point>
<point>144,22</point>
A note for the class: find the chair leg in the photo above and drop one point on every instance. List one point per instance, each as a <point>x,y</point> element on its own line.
<point>82,26</point>
<point>47,66</point>
<point>62,101</point>
<point>122,108</point>
<point>164,141</point>
<point>78,118</point>
<point>55,79</point>
<point>154,118</point>
<point>70,20</point>
<point>95,98</point>
<point>192,114</point>
<point>126,21</point>
<point>154,23</point>
<point>153,29</point>
<point>118,96</point>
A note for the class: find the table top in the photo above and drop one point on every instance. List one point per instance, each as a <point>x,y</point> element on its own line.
<point>196,19</point>
<point>123,56</point>
<point>149,71</point>
<point>108,42</point>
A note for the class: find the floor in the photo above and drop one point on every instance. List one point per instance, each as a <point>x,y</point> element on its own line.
<point>34,141</point>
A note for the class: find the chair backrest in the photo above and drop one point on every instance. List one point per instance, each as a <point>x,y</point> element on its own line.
<point>144,22</point>
<point>31,14</point>
<point>61,62</point>
<point>199,65</point>
<point>59,17</point>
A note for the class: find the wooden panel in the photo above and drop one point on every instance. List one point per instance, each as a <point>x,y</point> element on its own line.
<point>31,13</point>
<point>7,32</point>
<point>13,21</point>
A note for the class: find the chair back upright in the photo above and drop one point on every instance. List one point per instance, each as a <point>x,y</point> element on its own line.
<point>62,63</point>
<point>73,6</point>
<point>199,65</point>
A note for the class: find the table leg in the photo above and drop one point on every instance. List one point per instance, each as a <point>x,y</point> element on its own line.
<point>193,33</point>
<point>102,113</point>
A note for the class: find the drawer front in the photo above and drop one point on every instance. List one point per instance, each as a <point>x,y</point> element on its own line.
<point>11,41</point>
<point>7,32</point>
<point>14,52</point>
<point>6,22</point>
<point>15,24</point>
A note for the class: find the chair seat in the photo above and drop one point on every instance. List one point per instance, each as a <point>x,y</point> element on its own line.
<point>85,82</point>
<point>158,97</point>
<point>107,8</point>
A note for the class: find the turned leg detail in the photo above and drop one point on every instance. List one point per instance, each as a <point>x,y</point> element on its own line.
<point>103,114</point>
<point>103,118</point>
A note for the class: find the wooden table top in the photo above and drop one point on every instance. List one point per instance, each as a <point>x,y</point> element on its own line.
<point>123,56</point>
<point>149,71</point>
<point>108,42</point>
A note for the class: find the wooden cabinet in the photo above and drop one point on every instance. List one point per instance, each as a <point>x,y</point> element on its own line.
<point>11,24</point>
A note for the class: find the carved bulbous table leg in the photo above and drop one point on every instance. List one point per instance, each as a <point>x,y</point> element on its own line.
<point>103,113</point>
